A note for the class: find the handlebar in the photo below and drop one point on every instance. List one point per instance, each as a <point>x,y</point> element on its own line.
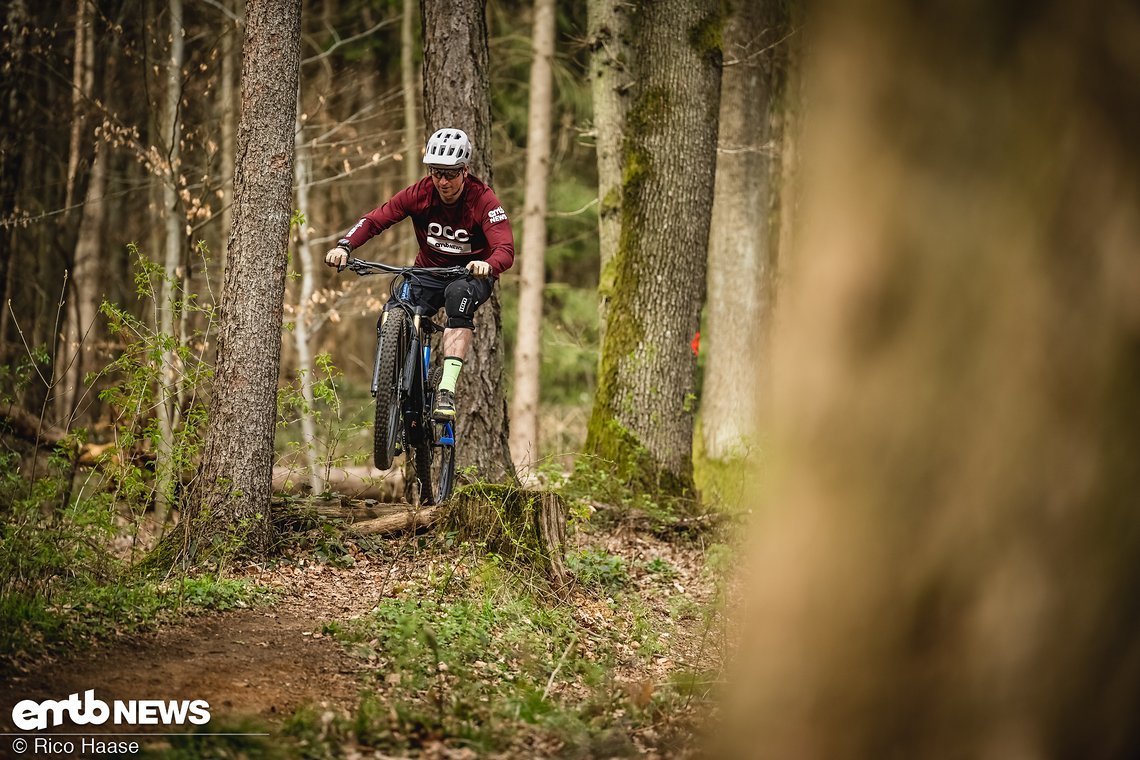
<point>362,268</point>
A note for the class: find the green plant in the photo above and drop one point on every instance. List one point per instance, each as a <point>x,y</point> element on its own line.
<point>595,568</point>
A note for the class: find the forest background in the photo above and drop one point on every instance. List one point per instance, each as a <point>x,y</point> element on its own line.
<point>119,213</point>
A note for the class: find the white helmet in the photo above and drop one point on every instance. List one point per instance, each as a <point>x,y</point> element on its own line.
<point>448,147</point>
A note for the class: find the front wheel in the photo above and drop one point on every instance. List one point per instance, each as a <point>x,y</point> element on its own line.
<point>386,431</point>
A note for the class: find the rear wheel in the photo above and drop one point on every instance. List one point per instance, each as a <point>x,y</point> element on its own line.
<point>386,430</point>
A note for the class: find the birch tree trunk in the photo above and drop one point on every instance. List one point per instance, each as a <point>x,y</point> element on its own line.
<point>304,175</point>
<point>532,275</point>
<point>456,95</point>
<point>230,498</point>
<point>742,245</point>
<point>642,419</point>
<point>167,406</point>
<point>610,80</point>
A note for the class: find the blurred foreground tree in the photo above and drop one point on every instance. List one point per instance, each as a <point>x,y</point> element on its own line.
<point>947,562</point>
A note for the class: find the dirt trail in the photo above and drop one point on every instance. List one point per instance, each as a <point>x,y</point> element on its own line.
<point>254,663</point>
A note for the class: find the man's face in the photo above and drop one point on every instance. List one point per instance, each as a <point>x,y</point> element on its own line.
<point>448,181</point>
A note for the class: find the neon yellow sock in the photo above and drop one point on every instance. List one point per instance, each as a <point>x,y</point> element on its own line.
<point>451,367</point>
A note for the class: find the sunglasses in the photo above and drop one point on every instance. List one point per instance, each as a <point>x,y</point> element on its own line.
<point>445,173</point>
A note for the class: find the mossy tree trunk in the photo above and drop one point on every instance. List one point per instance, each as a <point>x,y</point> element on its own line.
<point>456,94</point>
<point>229,504</point>
<point>655,283</point>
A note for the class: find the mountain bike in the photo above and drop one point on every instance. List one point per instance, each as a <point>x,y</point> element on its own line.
<point>404,380</point>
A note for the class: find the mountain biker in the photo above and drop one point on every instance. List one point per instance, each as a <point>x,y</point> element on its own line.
<point>458,222</point>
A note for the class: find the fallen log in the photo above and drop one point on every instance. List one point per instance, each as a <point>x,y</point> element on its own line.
<point>399,522</point>
<point>355,482</point>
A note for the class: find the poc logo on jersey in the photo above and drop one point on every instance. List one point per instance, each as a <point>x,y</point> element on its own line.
<point>496,215</point>
<point>435,229</point>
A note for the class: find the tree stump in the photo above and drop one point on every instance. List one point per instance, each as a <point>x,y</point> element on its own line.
<point>526,526</point>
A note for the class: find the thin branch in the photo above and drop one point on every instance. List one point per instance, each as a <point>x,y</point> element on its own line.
<point>573,213</point>
<point>353,38</point>
<point>748,59</point>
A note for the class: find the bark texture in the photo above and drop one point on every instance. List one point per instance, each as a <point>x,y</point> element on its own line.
<point>532,264</point>
<point>456,95</point>
<point>232,494</point>
<point>642,417</point>
<point>947,564</point>
<point>610,80</point>
<point>743,251</point>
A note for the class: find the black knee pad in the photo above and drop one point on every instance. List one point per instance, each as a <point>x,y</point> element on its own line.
<point>461,298</point>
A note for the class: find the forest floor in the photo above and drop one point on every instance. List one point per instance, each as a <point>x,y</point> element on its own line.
<point>418,647</point>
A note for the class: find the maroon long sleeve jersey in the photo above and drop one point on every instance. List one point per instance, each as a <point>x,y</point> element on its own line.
<point>475,229</point>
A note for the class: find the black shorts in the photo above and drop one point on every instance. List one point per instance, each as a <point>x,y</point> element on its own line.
<point>460,297</point>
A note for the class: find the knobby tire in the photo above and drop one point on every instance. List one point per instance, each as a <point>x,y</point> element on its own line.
<point>386,430</point>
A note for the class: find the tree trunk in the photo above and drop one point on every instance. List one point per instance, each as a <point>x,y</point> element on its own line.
<point>456,95</point>
<point>947,563</point>
<point>81,331</point>
<point>610,80</point>
<point>742,256</point>
<point>230,500</point>
<point>532,280</point>
<point>79,314</point>
<point>304,311</point>
<point>231,44</point>
<point>642,419</point>
<point>167,403</point>
<point>13,138</point>
<point>82,78</point>
<point>413,136</point>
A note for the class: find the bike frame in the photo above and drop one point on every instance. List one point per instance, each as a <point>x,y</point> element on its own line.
<point>414,380</point>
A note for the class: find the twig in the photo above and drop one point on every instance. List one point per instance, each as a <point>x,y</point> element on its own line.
<point>572,213</point>
<point>558,666</point>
